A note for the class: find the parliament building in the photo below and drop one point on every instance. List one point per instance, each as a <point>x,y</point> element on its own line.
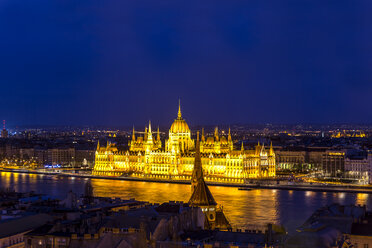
<point>147,157</point>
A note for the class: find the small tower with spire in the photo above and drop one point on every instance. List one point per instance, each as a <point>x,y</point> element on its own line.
<point>133,135</point>
<point>158,135</point>
<point>197,171</point>
<point>271,151</point>
<point>149,135</point>
<point>202,197</point>
<point>157,142</point>
<point>216,137</point>
<point>145,134</point>
<point>149,141</point>
<point>132,143</point>
<point>258,148</point>
<point>229,141</point>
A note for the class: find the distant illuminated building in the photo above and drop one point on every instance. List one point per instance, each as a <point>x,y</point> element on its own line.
<point>359,168</point>
<point>4,132</point>
<point>147,157</point>
<point>333,163</point>
<point>344,134</point>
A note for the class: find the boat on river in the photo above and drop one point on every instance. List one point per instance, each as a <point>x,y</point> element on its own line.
<point>244,188</point>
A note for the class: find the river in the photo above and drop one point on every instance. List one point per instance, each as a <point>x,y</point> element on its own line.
<point>243,208</point>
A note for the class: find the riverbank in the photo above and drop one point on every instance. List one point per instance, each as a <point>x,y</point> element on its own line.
<point>258,185</point>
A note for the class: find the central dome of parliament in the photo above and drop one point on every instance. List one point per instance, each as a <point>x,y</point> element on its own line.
<point>179,125</point>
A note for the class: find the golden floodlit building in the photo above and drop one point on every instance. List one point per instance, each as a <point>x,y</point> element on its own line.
<point>148,157</point>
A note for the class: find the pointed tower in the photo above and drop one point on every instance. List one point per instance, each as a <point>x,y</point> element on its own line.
<point>203,137</point>
<point>145,135</point>
<point>242,148</point>
<point>132,143</point>
<point>258,147</point>
<point>263,150</point>
<point>149,135</point>
<point>179,115</point>
<point>216,134</point>
<point>202,196</point>
<point>98,145</point>
<point>229,141</point>
<point>271,151</point>
<point>197,172</point>
<point>158,141</point>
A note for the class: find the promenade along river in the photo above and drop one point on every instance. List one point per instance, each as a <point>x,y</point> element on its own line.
<point>243,208</point>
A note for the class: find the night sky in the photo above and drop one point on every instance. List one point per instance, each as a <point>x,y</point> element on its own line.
<point>118,62</point>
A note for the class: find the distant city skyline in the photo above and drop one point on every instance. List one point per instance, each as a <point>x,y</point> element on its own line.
<point>208,126</point>
<point>163,125</point>
<point>123,63</point>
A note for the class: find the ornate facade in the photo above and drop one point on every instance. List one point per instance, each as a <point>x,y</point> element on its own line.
<point>147,157</point>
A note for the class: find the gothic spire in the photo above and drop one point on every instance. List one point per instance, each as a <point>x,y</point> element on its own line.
<point>179,115</point>
<point>149,135</point>
<point>201,195</point>
<point>197,171</point>
<point>271,151</point>
<point>263,151</point>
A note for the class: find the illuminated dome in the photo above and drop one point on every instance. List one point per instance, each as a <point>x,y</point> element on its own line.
<point>179,135</point>
<point>179,125</point>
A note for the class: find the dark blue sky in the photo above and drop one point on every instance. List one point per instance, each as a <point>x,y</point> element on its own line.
<point>117,62</point>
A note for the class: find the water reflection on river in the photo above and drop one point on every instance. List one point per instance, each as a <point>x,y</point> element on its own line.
<point>243,208</point>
